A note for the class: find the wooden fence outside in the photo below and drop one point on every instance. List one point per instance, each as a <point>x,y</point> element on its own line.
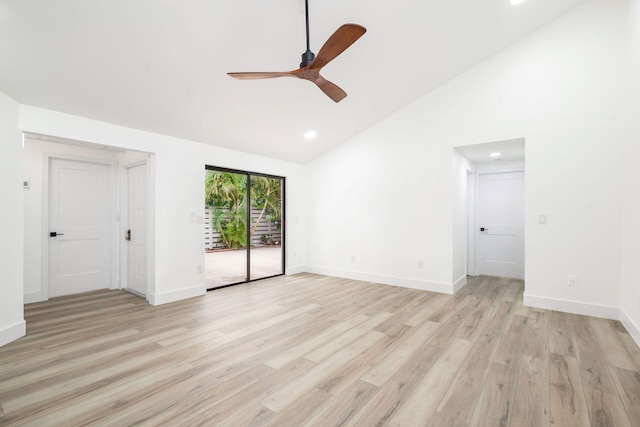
<point>212,238</point>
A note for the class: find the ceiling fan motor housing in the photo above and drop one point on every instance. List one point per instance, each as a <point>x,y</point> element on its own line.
<point>307,58</point>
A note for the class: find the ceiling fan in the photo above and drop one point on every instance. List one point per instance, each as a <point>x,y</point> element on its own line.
<point>311,64</point>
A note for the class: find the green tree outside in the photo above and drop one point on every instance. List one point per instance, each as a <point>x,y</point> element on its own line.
<point>226,195</point>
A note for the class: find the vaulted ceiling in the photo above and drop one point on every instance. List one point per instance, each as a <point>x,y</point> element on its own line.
<point>160,65</point>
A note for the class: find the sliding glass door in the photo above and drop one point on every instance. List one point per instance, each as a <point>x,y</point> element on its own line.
<point>265,251</point>
<point>244,237</point>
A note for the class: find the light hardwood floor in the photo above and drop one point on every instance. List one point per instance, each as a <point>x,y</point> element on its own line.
<point>313,350</point>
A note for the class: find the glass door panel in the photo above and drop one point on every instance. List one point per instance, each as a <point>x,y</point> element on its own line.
<point>225,228</point>
<point>266,253</point>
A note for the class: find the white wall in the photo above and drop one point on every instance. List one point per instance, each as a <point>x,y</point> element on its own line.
<point>12,325</point>
<point>178,169</point>
<point>387,194</point>
<point>460,219</point>
<point>378,198</point>
<point>630,315</point>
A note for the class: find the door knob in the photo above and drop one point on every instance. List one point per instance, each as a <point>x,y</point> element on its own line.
<point>54,234</point>
<point>128,236</point>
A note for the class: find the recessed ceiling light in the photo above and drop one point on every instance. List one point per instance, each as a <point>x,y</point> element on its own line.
<point>310,134</point>
<point>495,154</point>
<point>516,2</point>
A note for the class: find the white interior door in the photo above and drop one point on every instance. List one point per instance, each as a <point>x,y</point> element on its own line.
<point>137,225</point>
<point>500,226</point>
<point>79,246</point>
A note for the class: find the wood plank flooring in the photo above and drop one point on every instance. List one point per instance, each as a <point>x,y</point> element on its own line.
<point>310,350</point>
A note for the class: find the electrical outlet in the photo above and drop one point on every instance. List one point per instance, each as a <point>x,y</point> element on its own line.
<point>199,269</point>
<point>420,264</point>
<point>353,258</point>
<point>572,281</point>
<point>295,254</point>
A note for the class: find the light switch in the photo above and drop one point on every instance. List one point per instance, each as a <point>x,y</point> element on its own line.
<point>542,219</point>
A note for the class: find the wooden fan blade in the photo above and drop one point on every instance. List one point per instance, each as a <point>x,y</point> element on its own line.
<point>339,41</point>
<point>261,75</point>
<point>330,89</point>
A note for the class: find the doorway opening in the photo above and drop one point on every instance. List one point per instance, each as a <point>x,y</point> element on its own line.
<point>494,205</point>
<point>75,216</point>
<point>244,233</point>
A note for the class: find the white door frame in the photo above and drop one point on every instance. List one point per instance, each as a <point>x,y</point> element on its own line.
<point>474,222</point>
<point>472,195</point>
<point>47,157</point>
<point>124,214</point>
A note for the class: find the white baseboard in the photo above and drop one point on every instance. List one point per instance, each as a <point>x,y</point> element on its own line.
<point>12,332</point>
<point>444,288</point>
<point>460,283</point>
<point>176,295</point>
<point>574,307</point>
<point>631,326</point>
<point>290,271</point>
<point>35,296</point>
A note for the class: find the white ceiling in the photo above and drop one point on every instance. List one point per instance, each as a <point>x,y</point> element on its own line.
<point>511,150</point>
<point>160,65</point>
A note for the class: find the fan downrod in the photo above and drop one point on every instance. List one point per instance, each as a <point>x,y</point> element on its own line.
<point>308,56</point>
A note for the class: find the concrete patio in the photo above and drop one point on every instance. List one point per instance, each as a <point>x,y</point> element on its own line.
<point>229,266</point>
